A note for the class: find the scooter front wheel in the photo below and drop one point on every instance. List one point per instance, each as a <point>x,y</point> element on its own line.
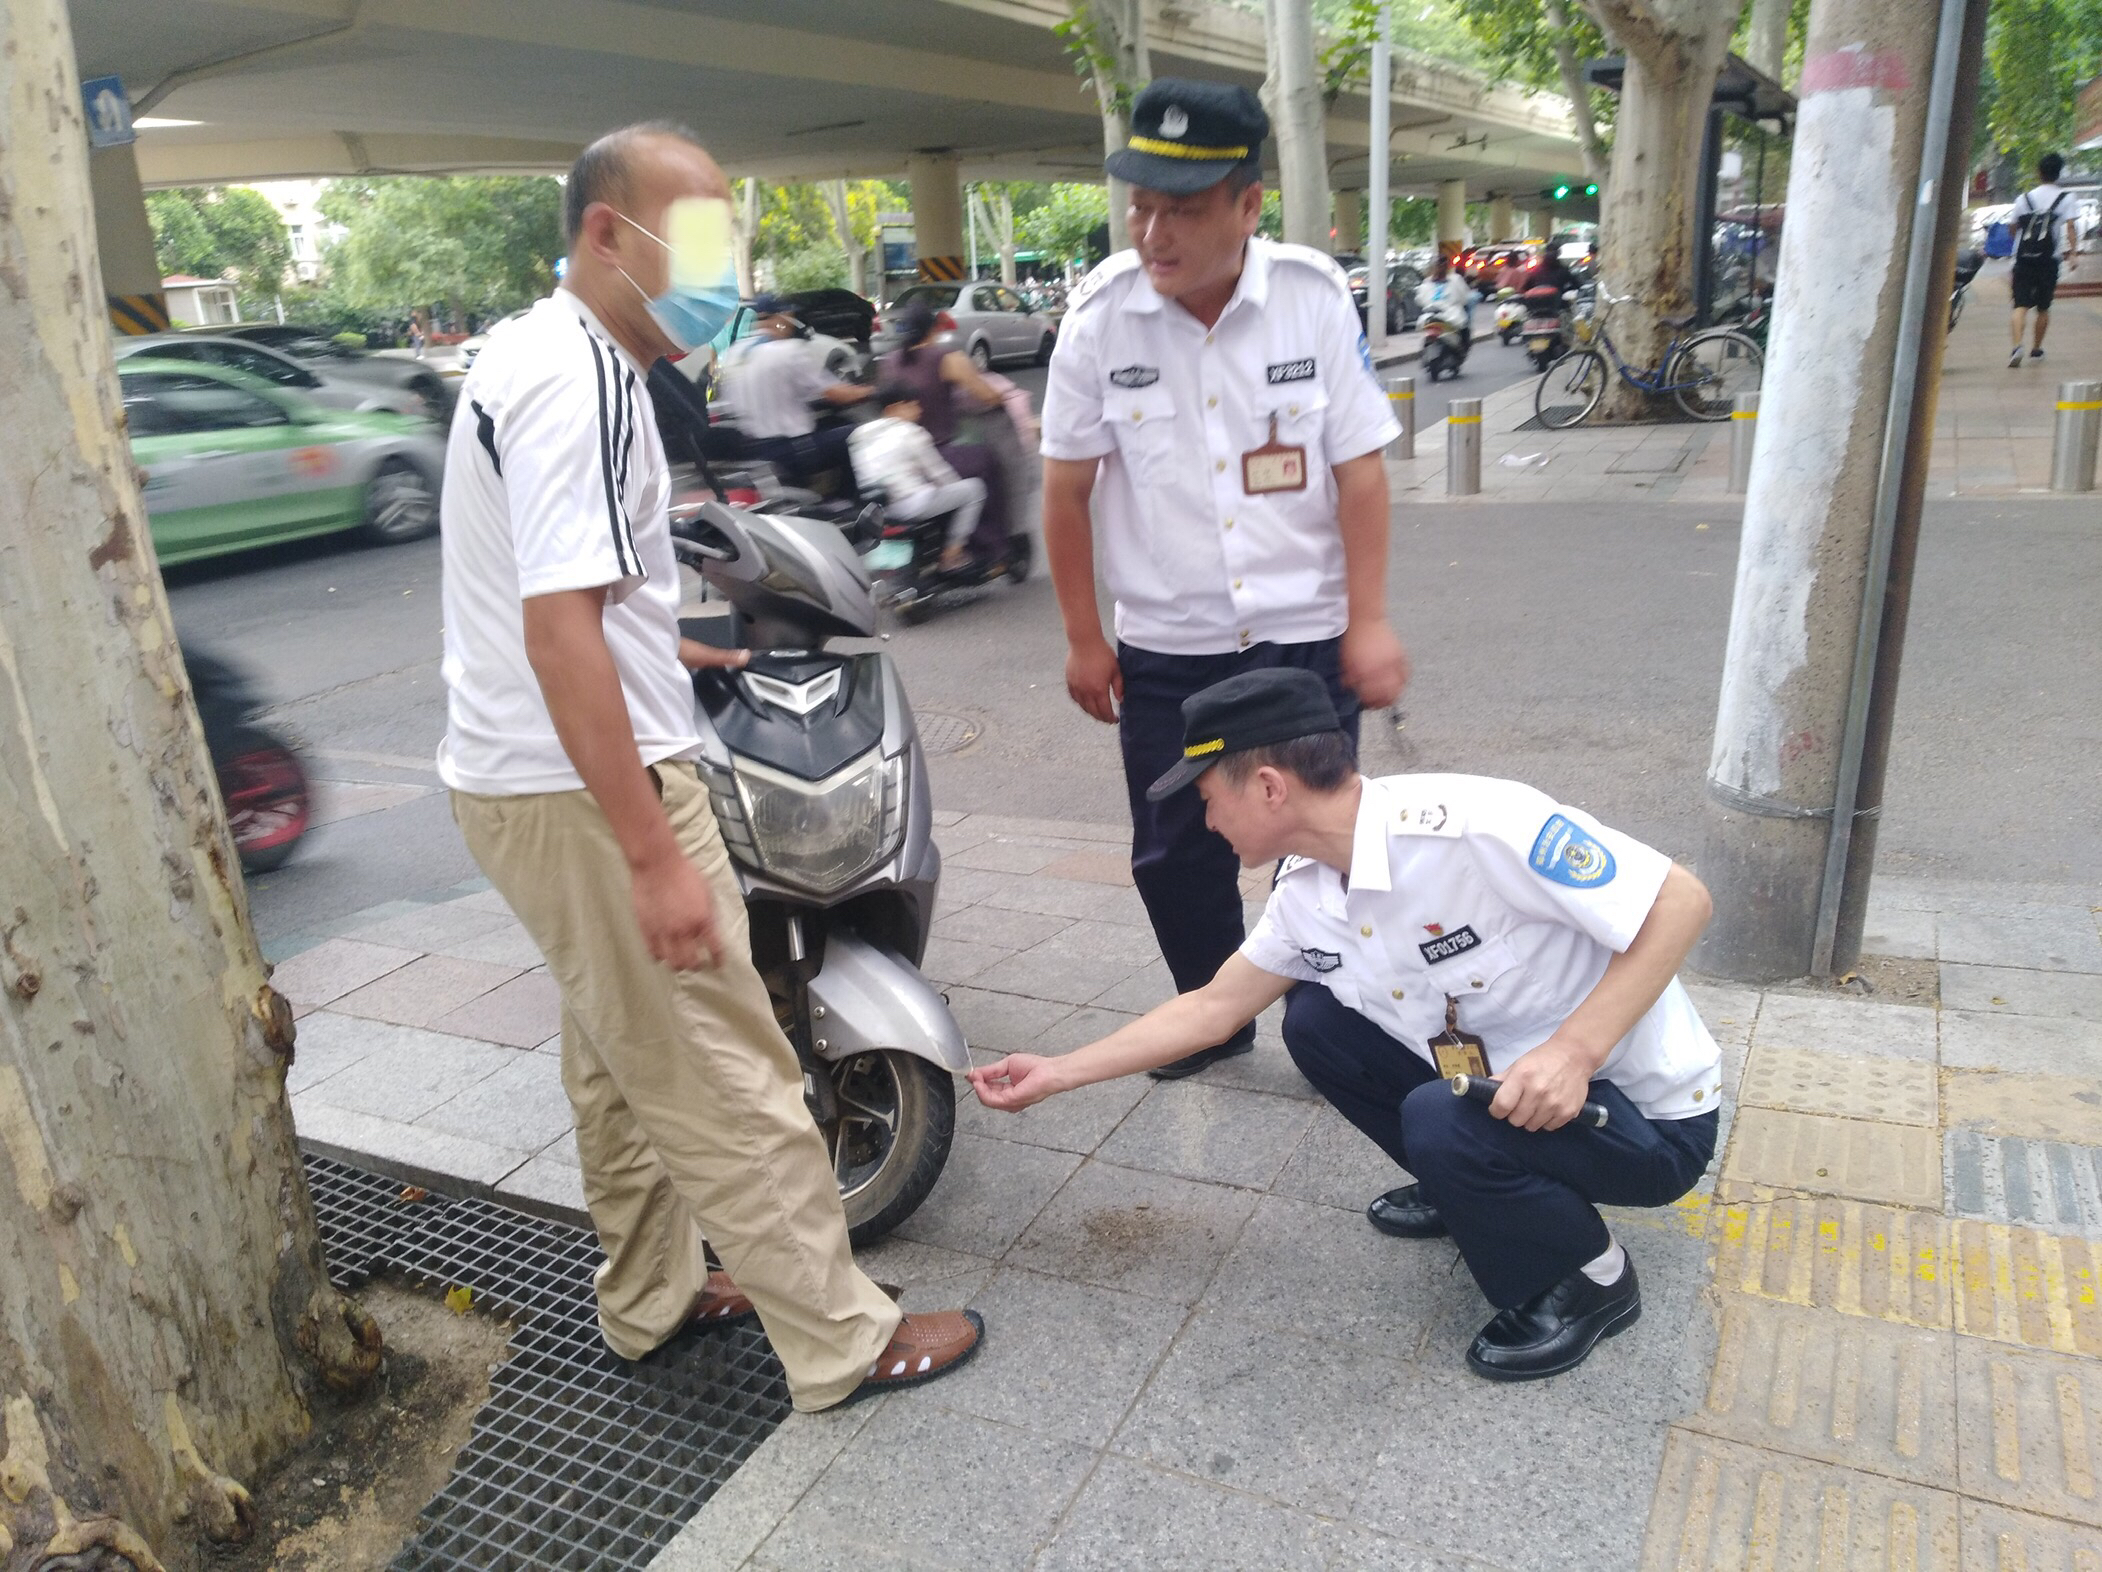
<point>897,1116</point>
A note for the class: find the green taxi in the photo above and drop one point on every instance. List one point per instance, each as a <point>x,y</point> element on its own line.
<point>232,461</point>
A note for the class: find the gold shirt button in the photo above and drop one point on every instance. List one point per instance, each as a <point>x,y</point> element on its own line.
<point>1229,523</point>
<point>1236,583</point>
<point>1294,409</point>
<point>1697,1095</point>
<point>1366,930</point>
<point>1138,414</point>
<point>1219,464</point>
<point>1477,982</point>
<point>1212,403</point>
<point>1397,993</point>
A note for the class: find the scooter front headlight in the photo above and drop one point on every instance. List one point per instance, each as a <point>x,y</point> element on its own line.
<point>823,835</point>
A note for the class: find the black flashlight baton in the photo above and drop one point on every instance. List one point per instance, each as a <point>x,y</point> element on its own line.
<point>1483,1089</point>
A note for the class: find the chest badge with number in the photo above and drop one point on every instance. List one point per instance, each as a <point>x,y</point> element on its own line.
<point>1458,1052</point>
<point>1273,467</point>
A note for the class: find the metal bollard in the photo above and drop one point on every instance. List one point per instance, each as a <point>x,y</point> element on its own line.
<point>2073,444</point>
<point>1401,398</point>
<point>1744,428</point>
<point>1463,447</point>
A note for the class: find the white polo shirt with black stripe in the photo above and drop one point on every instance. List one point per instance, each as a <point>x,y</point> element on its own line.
<point>554,480</point>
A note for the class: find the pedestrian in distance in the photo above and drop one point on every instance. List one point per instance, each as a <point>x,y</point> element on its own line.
<point>1424,927</point>
<point>2042,220</point>
<point>570,749</point>
<point>895,453</point>
<point>1212,425</point>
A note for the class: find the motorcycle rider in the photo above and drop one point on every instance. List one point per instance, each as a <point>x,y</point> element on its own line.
<point>1447,296</point>
<point>772,387</point>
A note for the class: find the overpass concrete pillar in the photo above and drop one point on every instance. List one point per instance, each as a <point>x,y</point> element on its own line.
<point>1452,216</point>
<point>131,277</point>
<point>1350,221</point>
<point>937,212</point>
<point>1501,219</point>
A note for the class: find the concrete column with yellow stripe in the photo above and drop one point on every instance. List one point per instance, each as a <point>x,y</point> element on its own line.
<point>937,213</point>
<point>131,275</point>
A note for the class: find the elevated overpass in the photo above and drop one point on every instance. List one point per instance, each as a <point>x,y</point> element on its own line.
<point>781,89</point>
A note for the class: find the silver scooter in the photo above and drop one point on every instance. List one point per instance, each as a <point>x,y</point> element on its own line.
<point>813,764</point>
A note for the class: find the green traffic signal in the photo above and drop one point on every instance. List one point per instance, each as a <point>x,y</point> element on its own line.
<point>1560,192</point>
<point>1591,188</point>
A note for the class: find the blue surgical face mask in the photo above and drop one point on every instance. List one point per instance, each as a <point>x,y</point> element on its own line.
<point>688,314</point>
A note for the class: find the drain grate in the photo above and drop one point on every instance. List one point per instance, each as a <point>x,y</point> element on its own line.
<point>578,1460</point>
<point>944,733</point>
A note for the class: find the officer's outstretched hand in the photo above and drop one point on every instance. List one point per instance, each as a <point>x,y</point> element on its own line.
<point>1545,1089</point>
<point>1375,666</point>
<point>1014,1083</point>
<point>1094,679</point>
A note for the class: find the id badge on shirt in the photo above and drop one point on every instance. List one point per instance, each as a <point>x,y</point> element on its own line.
<point>1273,467</point>
<point>1458,1052</point>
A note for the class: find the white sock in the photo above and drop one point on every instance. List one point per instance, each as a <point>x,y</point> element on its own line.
<point>1606,1269</point>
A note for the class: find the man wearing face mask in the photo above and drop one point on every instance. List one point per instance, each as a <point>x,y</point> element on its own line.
<point>569,746</point>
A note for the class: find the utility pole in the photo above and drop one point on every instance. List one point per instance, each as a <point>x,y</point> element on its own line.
<point>1831,520</point>
<point>1300,122</point>
<point>1381,222</point>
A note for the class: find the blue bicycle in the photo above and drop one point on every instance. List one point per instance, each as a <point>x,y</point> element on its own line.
<point>1703,372</point>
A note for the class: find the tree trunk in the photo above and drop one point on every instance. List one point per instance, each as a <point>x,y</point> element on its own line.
<point>1006,234</point>
<point>843,226</point>
<point>1766,41</point>
<point>165,1309</point>
<point>744,232</point>
<point>1674,51</point>
<point>1294,93</point>
<point>1596,165</point>
<point>1120,65</point>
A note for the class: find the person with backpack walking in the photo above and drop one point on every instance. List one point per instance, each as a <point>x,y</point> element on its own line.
<point>2038,217</point>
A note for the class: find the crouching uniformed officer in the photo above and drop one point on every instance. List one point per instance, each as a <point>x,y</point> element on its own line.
<point>1427,926</point>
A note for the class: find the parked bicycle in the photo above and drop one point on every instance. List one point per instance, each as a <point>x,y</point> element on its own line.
<point>1704,372</point>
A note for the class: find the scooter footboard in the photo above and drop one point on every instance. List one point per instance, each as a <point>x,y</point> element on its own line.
<point>867,998</point>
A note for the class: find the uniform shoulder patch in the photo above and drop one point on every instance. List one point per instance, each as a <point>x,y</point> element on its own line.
<point>1110,268</point>
<point>1426,817</point>
<point>1565,853</point>
<point>1288,867</point>
<point>1306,256</point>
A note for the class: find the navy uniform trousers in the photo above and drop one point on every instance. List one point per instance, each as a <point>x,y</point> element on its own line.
<point>1189,877</point>
<point>1521,1204</point>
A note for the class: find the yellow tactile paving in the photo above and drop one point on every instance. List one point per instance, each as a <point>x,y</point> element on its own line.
<point>2040,1107</point>
<point>1842,1389</point>
<point>1867,1160</point>
<point>2019,1285</point>
<point>1804,1080</point>
<point>1997,1540</point>
<point>1855,1257</point>
<point>1720,1505</point>
<point>2031,1430</point>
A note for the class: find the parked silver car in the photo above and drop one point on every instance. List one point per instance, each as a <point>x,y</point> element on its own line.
<point>348,381</point>
<point>988,322</point>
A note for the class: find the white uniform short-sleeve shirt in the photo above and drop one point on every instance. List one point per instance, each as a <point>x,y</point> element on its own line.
<point>555,479</point>
<point>1198,566</point>
<point>1493,895</point>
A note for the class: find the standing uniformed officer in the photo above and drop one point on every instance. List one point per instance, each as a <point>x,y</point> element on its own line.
<point>1426,926</point>
<point>1213,402</point>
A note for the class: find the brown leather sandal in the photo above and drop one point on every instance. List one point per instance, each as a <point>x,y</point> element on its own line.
<point>722,1303</point>
<point>926,1346</point>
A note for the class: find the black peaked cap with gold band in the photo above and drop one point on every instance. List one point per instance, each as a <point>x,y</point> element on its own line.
<point>1252,710</point>
<point>1188,136</point>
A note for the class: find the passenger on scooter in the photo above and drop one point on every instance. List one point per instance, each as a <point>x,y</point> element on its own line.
<point>896,454</point>
<point>935,377</point>
<point>777,382</point>
<point>1446,296</point>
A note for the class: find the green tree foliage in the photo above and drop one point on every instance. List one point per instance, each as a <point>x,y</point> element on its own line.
<point>477,246</point>
<point>226,232</point>
<point>1059,218</point>
<point>2037,53</point>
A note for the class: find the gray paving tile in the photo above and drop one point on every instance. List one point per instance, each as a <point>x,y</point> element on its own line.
<point>1145,988</point>
<point>926,1277</point>
<point>988,1193</point>
<point>1075,965</point>
<point>922,1487</point>
<point>508,945</point>
<point>1351,1548</point>
<point>1337,1164</point>
<point>1131,1516</point>
<point>1002,1023</point>
<point>1908,934</point>
<point>1075,1121</point>
<point>751,1503</point>
<point>426,927</point>
<point>328,1043</point>
<point>1330,1274</point>
<point>406,1150</point>
<point>959,960</point>
<point>997,854</point>
<point>332,968</point>
<point>2045,938</point>
<point>2006,1179</point>
<point>1728,1009</point>
<point>995,925</point>
<point>424,991</point>
<point>563,1150</point>
<point>2008,990</point>
<point>1268,1069</point>
<point>1297,1420</point>
<point>1141,1232</point>
<point>1061,1359</point>
<point>1076,898</point>
<point>1216,1133</point>
<point>546,1186</point>
<point>2030,1430</point>
<point>408,1071</point>
<point>2024,1044</point>
<point>1558,1462</point>
<point>521,1013</point>
<point>1846,1025</point>
<point>521,1105</point>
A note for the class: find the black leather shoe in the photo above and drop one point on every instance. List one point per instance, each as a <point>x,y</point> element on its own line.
<point>1556,1330</point>
<point>1407,1214</point>
<point>1239,1043</point>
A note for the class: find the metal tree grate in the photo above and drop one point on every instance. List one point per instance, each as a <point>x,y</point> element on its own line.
<point>579,1460</point>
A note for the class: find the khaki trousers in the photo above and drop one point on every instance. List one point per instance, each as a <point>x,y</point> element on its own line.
<point>688,1099</point>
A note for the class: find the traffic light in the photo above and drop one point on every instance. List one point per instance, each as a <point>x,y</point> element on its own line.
<point>1591,188</point>
<point>1557,193</point>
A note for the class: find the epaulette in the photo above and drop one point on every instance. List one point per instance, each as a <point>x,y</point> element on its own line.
<point>1111,267</point>
<point>1307,256</point>
<point>1426,817</point>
